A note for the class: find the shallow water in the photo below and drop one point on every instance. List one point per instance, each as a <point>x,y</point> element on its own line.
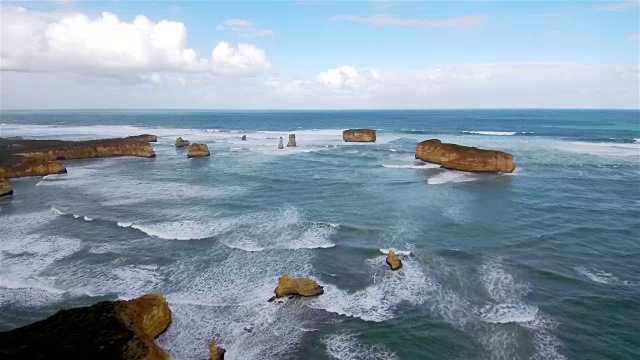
<point>541,263</point>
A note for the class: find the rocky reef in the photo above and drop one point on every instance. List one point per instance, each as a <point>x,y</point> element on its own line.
<point>198,150</point>
<point>296,286</point>
<point>5,187</point>
<point>464,158</point>
<point>292,140</point>
<point>106,330</point>
<point>393,261</point>
<point>359,135</point>
<point>180,142</point>
<point>19,158</point>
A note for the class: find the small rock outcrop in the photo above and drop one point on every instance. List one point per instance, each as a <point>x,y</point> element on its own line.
<point>198,150</point>
<point>296,286</point>
<point>359,135</point>
<point>281,143</point>
<point>5,187</point>
<point>107,330</point>
<point>292,140</point>
<point>393,261</point>
<point>464,158</point>
<point>216,353</point>
<point>243,138</point>
<point>180,142</point>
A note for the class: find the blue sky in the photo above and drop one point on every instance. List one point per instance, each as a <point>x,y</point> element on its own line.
<point>371,45</point>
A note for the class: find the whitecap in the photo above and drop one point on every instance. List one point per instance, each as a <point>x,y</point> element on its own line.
<point>411,166</point>
<point>124,224</point>
<point>183,229</point>
<point>450,176</point>
<point>508,313</point>
<point>398,252</point>
<point>345,346</point>
<point>600,276</point>
<point>57,211</point>
<point>75,216</point>
<point>86,218</point>
<point>494,133</point>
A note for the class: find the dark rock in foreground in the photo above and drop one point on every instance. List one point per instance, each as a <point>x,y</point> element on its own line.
<point>5,187</point>
<point>464,158</point>
<point>359,135</point>
<point>106,330</point>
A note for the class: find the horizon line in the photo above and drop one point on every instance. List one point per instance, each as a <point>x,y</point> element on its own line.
<point>309,109</point>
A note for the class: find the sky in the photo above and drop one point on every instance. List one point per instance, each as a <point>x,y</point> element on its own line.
<point>311,54</point>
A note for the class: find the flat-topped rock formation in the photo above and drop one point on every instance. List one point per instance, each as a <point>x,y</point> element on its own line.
<point>393,261</point>
<point>180,142</point>
<point>359,135</point>
<point>292,140</point>
<point>19,157</point>
<point>107,330</point>
<point>464,158</point>
<point>296,286</point>
<point>5,187</point>
<point>198,150</point>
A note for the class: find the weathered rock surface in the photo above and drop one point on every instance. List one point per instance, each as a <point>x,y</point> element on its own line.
<point>464,158</point>
<point>244,137</point>
<point>359,135</point>
<point>20,167</point>
<point>216,353</point>
<point>106,330</point>
<point>281,143</point>
<point>5,187</point>
<point>180,142</point>
<point>297,286</point>
<point>393,261</point>
<point>143,137</point>
<point>292,140</point>
<point>198,150</point>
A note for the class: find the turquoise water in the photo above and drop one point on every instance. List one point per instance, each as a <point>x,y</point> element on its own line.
<point>538,264</point>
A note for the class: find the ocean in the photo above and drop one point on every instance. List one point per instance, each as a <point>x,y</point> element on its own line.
<point>542,263</point>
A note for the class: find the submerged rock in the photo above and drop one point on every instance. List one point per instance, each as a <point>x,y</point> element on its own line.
<point>107,330</point>
<point>292,140</point>
<point>244,137</point>
<point>198,150</point>
<point>359,135</point>
<point>393,261</point>
<point>216,353</point>
<point>464,158</point>
<point>5,187</point>
<point>296,286</point>
<point>180,142</point>
<point>281,144</point>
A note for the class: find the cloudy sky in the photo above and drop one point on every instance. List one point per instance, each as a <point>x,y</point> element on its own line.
<point>319,54</point>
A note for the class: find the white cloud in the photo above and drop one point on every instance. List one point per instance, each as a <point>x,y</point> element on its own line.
<point>619,5</point>
<point>389,20</point>
<point>470,86</point>
<point>634,37</point>
<point>106,46</point>
<point>244,28</point>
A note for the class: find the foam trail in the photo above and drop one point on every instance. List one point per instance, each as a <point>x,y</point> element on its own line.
<point>344,346</point>
<point>494,133</point>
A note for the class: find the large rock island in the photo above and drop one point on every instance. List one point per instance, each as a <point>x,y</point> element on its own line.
<point>19,158</point>
<point>359,135</point>
<point>106,330</point>
<point>464,158</point>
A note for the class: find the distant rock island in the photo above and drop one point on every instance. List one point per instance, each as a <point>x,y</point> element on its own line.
<point>359,135</point>
<point>464,158</point>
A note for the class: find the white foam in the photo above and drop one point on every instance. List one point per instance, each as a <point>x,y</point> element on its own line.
<point>600,276</point>
<point>508,313</point>
<point>86,218</point>
<point>57,211</point>
<point>378,301</point>
<point>183,229</point>
<point>345,346</point>
<point>76,216</point>
<point>411,166</point>
<point>124,224</point>
<point>493,133</point>
<point>450,176</point>
<point>398,252</point>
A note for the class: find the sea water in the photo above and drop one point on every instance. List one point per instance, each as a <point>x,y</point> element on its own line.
<point>542,263</point>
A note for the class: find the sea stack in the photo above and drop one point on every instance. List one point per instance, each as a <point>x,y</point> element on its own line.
<point>198,150</point>
<point>281,144</point>
<point>216,353</point>
<point>180,142</point>
<point>292,140</point>
<point>244,138</point>
<point>5,187</point>
<point>359,135</point>
<point>393,261</point>
<point>296,286</point>
<point>107,330</point>
<point>464,158</point>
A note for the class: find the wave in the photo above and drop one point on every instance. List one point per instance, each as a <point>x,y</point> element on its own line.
<point>409,166</point>
<point>451,176</point>
<point>57,211</point>
<point>600,276</point>
<point>399,252</point>
<point>345,346</point>
<point>414,131</point>
<point>493,133</point>
<point>181,230</point>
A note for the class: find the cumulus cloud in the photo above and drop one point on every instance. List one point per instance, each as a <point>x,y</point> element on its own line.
<point>389,20</point>
<point>106,46</point>
<point>473,85</point>
<point>244,28</point>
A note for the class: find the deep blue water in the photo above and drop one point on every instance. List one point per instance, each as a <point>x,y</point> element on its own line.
<point>538,264</point>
